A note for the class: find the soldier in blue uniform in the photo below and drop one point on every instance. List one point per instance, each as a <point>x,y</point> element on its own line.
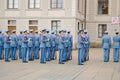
<point>70,43</point>
<point>48,46</point>
<point>66,46</point>
<point>37,44</point>
<point>7,46</point>
<point>24,46</point>
<point>43,47</point>
<point>53,37</point>
<point>116,45</point>
<point>106,44</point>
<point>61,46</point>
<point>20,36</point>
<point>86,45</point>
<point>80,47</point>
<point>1,44</point>
<point>30,45</point>
<point>13,44</point>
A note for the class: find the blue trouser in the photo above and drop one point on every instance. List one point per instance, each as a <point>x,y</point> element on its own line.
<point>65,53</point>
<point>53,52</point>
<point>13,52</point>
<point>30,55</point>
<point>69,52</point>
<point>48,55</point>
<point>106,55</point>
<point>86,53</point>
<point>43,55</point>
<point>83,54</point>
<point>61,52</point>
<point>20,51</point>
<point>24,54</point>
<point>116,54</point>
<point>1,52</point>
<point>36,52</point>
<point>80,55</point>
<point>6,54</point>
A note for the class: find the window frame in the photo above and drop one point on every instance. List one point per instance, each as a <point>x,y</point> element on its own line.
<point>57,5</point>
<point>13,5</point>
<point>57,26</point>
<point>107,9</point>
<point>104,28</point>
<point>33,5</point>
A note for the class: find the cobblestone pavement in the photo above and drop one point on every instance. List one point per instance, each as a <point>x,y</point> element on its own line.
<point>94,69</point>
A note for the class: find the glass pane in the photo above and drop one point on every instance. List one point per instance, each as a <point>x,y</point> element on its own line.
<point>59,5</point>
<point>37,4</point>
<point>15,3</point>
<point>54,1</point>
<point>59,1</point>
<point>53,5</point>
<point>31,4</point>
<point>58,23</point>
<point>10,4</point>
<point>11,22</point>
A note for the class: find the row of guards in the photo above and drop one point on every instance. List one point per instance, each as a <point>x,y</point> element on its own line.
<point>28,46</point>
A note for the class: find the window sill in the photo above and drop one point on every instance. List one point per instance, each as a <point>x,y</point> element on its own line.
<point>102,15</point>
<point>55,9</point>
<point>12,9</point>
<point>34,9</point>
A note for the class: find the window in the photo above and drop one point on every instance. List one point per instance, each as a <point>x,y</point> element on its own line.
<point>12,22</point>
<point>56,4</point>
<point>101,29</point>
<point>56,25</point>
<point>102,6</point>
<point>12,4</point>
<point>34,4</point>
<point>33,22</point>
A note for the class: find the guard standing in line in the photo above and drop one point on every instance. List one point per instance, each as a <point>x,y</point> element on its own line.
<point>48,46</point>
<point>13,44</point>
<point>116,45</point>
<point>37,44</point>
<point>24,46</point>
<point>87,44</point>
<point>1,44</point>
<point>106,44</point>
<point>43,47</point>
<point>61,46</point>
<point>20,36</point>
<point>66,46</point>
<point>30,45</point>
<point>7,45</point>
<point>70,43</point>
<point>80,47</point>
<point>53,37</point>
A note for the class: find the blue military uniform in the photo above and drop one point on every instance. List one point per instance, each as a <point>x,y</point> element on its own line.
<point>37,44</point>
<point>24,46</point>
<point>1,44</point>
<point>13,45</point>
<point>7,46</point>
<point>61,47</point>
<point>20,36</point>
<point>53,45</point>
<point>48,46</point>
<point>86,45</point>
<point>66,46</point>
<point>80,48</point>
<point>106,44</point>
<point>116,45</point>
<point>30,45</point>
<point>43,47</point>
<point>70,43</point>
